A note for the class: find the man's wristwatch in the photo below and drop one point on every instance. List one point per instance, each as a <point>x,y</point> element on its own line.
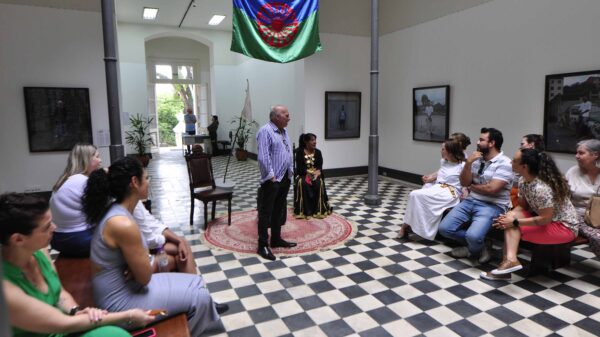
<point>516,223</point>
<point>74,310</point>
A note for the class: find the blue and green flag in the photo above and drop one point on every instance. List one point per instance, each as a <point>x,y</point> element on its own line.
<point>276,30</point>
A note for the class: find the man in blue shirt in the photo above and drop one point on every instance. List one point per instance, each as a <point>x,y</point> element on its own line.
<point>276,170</point>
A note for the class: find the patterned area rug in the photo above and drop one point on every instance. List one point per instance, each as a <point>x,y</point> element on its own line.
<point>312,235</point>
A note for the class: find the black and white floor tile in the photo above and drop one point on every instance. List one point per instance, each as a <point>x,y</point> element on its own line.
<point>375,285</point>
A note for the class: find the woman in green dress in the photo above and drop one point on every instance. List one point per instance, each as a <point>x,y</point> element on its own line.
<point>38,305</point>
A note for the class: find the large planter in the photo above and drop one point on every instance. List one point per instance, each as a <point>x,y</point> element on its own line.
<point>241,155</point>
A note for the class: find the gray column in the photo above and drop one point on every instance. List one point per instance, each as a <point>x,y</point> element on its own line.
<point>372,196</point>
<point>109,31</point>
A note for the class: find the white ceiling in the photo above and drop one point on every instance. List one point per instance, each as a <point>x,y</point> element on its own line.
<point>351,17</point>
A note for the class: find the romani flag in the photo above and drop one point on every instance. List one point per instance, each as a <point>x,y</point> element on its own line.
<point>276,30</point>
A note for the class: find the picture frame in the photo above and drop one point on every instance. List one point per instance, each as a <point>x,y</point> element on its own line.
<point>431,111</point>
<point>342,114</point>
<point>57,118</point>
<point>571,110</point>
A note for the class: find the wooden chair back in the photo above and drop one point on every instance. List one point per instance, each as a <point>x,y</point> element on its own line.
<point>200,171</point>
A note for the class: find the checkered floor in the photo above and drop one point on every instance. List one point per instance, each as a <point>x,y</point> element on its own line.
<point>375,285</point>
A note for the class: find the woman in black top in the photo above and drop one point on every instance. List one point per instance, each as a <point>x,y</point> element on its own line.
<point>311,196</point>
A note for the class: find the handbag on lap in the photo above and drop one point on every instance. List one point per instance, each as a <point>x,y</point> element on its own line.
<point>592,212</point>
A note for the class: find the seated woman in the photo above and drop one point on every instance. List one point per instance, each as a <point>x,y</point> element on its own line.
<point>36,301</point>
<point>73,232</point>
<point>545,214</point>
<point>425,206</point>
<point>311,195</point>
<point>159,236</point>
<point>122,270</point>
<point>530,141</point>
<point>584,182</point>
<point>464,142</point>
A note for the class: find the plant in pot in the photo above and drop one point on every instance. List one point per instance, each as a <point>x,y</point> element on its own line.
<point>244,131</point>
<point>138,137</point>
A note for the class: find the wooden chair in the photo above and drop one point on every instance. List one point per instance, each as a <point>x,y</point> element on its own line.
<point>201,176</point>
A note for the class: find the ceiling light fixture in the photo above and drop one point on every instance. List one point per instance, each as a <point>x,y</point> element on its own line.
<point>216,19</point>
<point>150,13</point>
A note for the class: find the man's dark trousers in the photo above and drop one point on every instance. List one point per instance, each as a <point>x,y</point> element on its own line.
<point>272,209</point>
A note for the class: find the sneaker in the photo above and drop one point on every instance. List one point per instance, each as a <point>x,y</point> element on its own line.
<point>460,252</point>
<point>485,255</point>
<point>507,267</point>
<point>492,277</point>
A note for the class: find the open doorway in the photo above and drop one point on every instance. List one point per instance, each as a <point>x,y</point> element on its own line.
<point>173,91</point>
<point>172,100</point>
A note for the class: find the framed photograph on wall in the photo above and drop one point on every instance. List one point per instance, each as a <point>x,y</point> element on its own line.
<point>571,110</point>
<point>342,114</point>
<point>57,118</point>
<point>431,113</point>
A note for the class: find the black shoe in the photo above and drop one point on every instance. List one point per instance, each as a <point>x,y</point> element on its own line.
<point>266,253</point>
<point>283,244</point>
<point>221,307</point>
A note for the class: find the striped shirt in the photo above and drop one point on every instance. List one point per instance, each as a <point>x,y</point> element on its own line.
<point>274,153</point>
<point>499,168</point>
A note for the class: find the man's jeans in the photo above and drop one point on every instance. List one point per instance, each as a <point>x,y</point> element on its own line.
<point>481,214</point>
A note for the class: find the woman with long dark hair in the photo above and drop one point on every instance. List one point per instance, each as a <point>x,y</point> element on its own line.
<point>545,214</point>
<point>37,303</point>
<point>311,195</point>
<point>123,276</point>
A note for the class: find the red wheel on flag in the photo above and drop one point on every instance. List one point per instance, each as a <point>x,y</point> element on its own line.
<point>277,24</point>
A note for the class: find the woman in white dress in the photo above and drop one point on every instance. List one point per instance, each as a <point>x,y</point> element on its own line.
<point>426,206</point>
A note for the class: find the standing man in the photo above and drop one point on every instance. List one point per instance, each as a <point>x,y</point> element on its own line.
<point>276,170</point>
<point>488,175</point>
<point>190,125</point>
<point>190,122</point>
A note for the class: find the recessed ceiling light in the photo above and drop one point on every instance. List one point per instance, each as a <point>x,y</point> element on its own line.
<point>216,19</point>
<point>150,13</point>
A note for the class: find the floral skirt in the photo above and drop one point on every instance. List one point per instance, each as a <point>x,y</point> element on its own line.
<point>310,199</point>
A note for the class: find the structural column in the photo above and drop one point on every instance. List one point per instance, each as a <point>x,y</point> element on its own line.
<point>372,196</point>
<point>109,29</point>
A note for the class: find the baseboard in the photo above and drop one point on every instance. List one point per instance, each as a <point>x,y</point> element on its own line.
<point>44,194</point>
<point>345,171</point>
<point>401,175</point>
<point>358,170</point>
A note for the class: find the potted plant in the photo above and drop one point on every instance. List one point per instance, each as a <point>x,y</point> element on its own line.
<point>138,136</point>
<point>242,134</point>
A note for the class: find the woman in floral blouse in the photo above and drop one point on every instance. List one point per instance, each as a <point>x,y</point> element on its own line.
<point>545,214</point>
<point>311,196</point>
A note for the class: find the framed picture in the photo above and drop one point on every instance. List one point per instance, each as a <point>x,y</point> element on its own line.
<point>57,118</point>
<point>430,113</point>
<point>571,110</point>
<point>342,114</point>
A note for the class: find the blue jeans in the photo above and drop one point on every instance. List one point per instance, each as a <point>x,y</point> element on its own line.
<point>75,244</point>
<point>481,214</point>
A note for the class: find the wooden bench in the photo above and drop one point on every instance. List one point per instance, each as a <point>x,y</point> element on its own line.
<point>76,277</point>
<point>544,258</point>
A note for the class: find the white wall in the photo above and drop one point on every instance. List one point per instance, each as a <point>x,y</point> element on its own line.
<point>495,57</point>
<point>45,47</point>
<point>343,65</point>
<point>270,83</point>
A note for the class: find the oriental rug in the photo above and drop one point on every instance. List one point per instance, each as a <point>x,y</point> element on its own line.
<point>312,235</point>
